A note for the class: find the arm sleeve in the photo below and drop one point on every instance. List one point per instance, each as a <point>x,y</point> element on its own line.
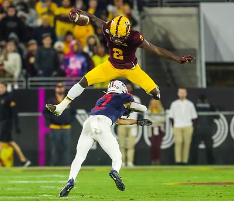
<point>137,99</point>
<point>106,29</point>
<point>171,112</point>
<point>105,26</point>
<point>138,38</point>
<point>193,111</point>
<point>126,98</point>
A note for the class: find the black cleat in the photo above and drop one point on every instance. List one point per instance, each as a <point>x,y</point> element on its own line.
<point>117,179</point>
<point>66,190</point>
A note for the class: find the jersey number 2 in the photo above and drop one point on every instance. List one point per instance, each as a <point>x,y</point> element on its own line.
<point>100,107</point>
<point>118,54</point>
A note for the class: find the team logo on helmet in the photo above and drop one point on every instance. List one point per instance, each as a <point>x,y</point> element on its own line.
<point>117,86</point>
<point>119,29</point>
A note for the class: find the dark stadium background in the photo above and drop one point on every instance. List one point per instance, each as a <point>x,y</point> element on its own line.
<point>29,137</point>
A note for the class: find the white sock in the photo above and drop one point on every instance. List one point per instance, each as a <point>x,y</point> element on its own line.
<point>63,105</point>
<point>74,92</point>
<point>116,164</point>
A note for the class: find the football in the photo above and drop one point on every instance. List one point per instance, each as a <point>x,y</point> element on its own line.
<point>80,19</point>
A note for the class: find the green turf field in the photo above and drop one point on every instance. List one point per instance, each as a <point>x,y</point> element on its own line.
<point>195,183</point>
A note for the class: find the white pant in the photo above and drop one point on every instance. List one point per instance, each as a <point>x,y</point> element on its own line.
<point>96,128</point>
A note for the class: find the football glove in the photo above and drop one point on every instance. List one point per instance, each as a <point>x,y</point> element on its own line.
<point>52,108</point>
<point>144,122</point>
<point>187,59</point>
<point>73,13</point>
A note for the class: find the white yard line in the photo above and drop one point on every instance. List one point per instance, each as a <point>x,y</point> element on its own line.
<point>17,197</point>
<point>37,182</point>
<point>51,187</point>
<point>34,176</point>
<point>12,189</point>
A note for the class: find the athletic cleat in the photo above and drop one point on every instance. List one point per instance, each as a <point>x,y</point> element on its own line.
<point>52,108</point>
<point>66,190</point>
<point>117,179</point>
<point>26,163</point>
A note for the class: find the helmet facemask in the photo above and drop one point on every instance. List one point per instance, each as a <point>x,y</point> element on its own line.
<point>118,40</point>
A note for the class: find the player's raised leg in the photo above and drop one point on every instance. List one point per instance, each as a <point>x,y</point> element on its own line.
<point>102,73</point>
<point>140,78</point>
<point>85,142</point>
<point>74,92</point>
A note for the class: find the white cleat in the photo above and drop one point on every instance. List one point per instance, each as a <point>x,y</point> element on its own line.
<point>54,109</point>
<point>26,164</point>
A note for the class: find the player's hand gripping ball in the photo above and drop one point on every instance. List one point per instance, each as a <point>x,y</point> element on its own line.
<point>78,17</point>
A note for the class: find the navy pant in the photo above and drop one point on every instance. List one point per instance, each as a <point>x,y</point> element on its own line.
<point>60,147</point>
<point>204,135</point>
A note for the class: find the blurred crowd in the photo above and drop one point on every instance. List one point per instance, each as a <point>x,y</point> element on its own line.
<point>38,40</point>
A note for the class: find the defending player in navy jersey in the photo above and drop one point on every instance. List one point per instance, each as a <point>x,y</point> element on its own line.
<point>112,105</point>
<point>97,127</point>
<point>122,43</point>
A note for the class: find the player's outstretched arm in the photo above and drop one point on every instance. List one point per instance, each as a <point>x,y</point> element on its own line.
<point>97,21</point>
<point>165,53</point>
<point>126,121</point>
<point>140,122</point>
<point>135,107</point>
